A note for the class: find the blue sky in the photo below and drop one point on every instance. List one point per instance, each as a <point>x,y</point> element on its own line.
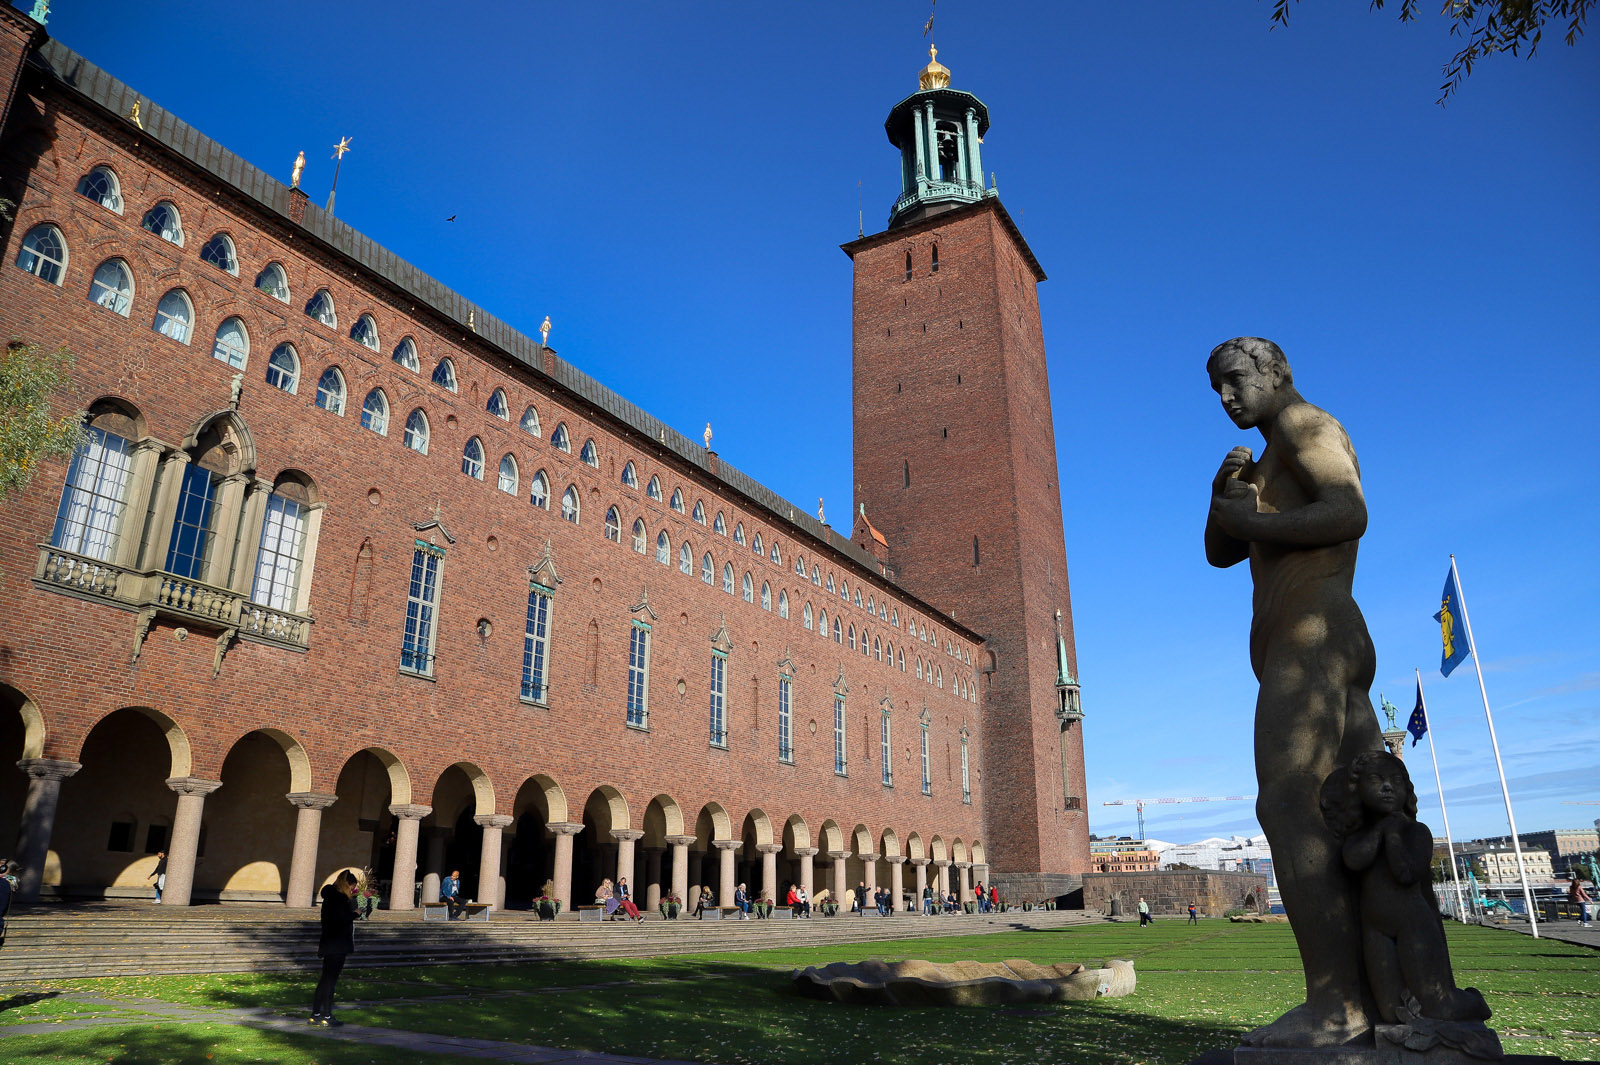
<point>670,184</point>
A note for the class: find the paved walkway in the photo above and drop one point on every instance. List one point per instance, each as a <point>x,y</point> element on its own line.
<point>1565,931</point>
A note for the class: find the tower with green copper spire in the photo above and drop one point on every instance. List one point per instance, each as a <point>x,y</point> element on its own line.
<point>939,131</point>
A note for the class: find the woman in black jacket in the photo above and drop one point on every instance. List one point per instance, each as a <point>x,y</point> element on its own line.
<point>338,940</point>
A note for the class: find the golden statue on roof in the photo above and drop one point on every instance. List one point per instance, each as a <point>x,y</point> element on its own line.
<point>935,75</point>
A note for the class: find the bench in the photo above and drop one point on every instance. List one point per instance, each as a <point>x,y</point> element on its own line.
<point>470,911</point>
<point>597,913</point>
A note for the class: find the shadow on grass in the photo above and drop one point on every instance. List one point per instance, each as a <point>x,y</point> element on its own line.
<point>170,1044</point>
<point>26,998</point>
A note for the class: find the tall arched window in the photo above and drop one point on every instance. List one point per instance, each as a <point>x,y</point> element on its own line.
<point>283,369</point>
<point>101,186</point>
<point>838,637</point>
<point>738,533</point>
<point>498,406</point>
<point>174,316</point>
<point>748,588</point>
<point>630,476</point>
<point>805,617</point>
<point>699,514</point>
<point>822,623</point>
<point>90,516</point>
<point>653,489</point>
<point>783,604</point>
<point>44,254</point>
<point>588,455</point>
<point>232,344</point>
<point>569,504</point>
<point>708,569</point>
<point>405,354</point>
<point>375,412</point>
<point>112,287</point>
<point>936,258</point>
<point>727,577</point>
<point>507,480</point>
<point>560,440</point>
<point>677,500</point>
<point>685,559</point>
<point>163,221</point>
<point>218,251</point>
<point>274,282</point>
<point>613,525</point>
<point>756,546</point>
<point>664,548</point>
<point>416,432</point>
<point>530,422</point>
<point>472,459</point>
<point>877,648</point>
<point>365,332</point>
<point>851,632</point>
<point>281,556</point>
<point>766,596</point>
<point>539,491</point>
<point>320,308</point>
<point>330,390</point>
<point>640,537</point>
<point>444,375</point>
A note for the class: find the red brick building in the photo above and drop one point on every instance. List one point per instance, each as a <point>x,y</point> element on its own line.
<point>351,573</point>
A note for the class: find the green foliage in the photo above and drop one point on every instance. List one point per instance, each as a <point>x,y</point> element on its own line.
<point>1488,26</point>
<point>31,430</point>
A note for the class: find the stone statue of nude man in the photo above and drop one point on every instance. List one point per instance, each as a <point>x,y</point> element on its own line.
<point>1297,513</point>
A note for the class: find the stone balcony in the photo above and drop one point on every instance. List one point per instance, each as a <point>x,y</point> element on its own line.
<point>153,593</point>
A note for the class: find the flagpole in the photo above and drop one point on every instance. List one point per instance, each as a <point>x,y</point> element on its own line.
<point>1449,843</point>
<point>1511,818</point>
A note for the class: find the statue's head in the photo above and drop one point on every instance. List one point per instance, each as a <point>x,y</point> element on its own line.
<point>1248,373</point>
<point>1374,785</point>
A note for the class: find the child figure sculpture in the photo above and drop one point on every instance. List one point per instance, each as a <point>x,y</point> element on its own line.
<point>1372,807</point>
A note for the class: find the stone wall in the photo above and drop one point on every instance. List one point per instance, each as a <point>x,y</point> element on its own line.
<point>1171,891</point>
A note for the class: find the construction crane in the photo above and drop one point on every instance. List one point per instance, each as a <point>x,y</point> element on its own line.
<point>1139,804</point>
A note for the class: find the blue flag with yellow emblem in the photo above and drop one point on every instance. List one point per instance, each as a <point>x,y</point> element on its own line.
<point>1456,646</point>
<point>1419,719</point>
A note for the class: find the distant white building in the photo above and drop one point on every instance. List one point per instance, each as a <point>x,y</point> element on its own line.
<point>1241,854</point>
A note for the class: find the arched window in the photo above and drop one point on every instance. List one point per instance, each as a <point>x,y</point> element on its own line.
<point>163,221</point>
<point>560,440</point>
<point>281,556</point>
<point>851,632</point>
<point>112,287</point>
<point>375,412</point>
<point>799,566</point>
<point>783,603</point>
<point>738,534</point>
<point>858,596</point>
<point>630,476</point>
<point>664,548</point>
<point>894,618</point>
<point>883,611</point>
<point>497,405</point>
<point>805,617</point>
<point>569,504</point>
<point>816,575</point>
<point>101,186</point>
<point>274,282</point>
<point>507,481</point>
<point>283,369</point>
<point>844,590</point>
<point>777,556</point>
<point>718,525</point>
<point>877,648</point>
<point>320,307</point>
<point>444,375</point>
<point>870,608</point>
<point>938,676</point>
<point>640,546</point>
<point>416,432</point>
<point>218,251</point>
<point>405,354</point>
<point>588,455</point>
<point>727,577</point>
<point>757,547</point>
<point>472,459</point>
<point>908,266</point>
<point>822,623</point>
<point>539,491</point>
<point>766,594</point>
<point>936,258</point>
<point>677,500</point>
<point>699,514</point>
<point>838,637</point>
<point>685,559</point>
<point>90,517</point>
<point>830,584</point>
<point>900,659</point>
<point>174,316</point>
<point>330,390</point>
<point>530,422</point>
<point>653,489</point>
<point>232,344</point>
<point>919,667</point>
<point>44,254</point>
<point>365,332</point>
<point>708,569</point>
<point>613,526</point>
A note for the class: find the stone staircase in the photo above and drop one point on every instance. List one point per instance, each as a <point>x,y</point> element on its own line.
<point>108,939</point>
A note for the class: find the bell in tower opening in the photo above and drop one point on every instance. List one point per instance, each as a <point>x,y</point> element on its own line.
<point>939,131</point>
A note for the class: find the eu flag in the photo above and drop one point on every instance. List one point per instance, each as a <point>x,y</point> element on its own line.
<point>1419,719</point>
<point>1456,646</point>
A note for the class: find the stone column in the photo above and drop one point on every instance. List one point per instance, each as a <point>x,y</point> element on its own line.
<point>870,874</point>
<point>39,819</point>
<point>974,159</point>
<point>303,864</point>
<point>769,870</point>
<point>839,884</point>
<point>933,144</point>
<point>921,865</point>
<point>897,887</point>
<point>403,879</point>
<point>625,838</point>
<point>227,513</point>
<point>248,545</point>
<point>493,826</point>
<point>680,866</point>
<point>433,864</point>
<point>163,505</point>
<point>563,831</point>
<point>964,881</point>
<point>141,484</point>
<point>919,165</point>
<point>725,872</point>
<point>806,870</point>
<point>944,876</point>
<point>192,792</point>
<point>652,876</point>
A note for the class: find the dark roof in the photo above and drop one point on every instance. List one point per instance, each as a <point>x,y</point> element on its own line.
<point>166,129</point>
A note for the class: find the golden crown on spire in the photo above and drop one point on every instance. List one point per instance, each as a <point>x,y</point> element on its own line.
<point>935,75</point>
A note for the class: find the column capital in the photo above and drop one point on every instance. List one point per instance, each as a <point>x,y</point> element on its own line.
<point>49,768</point>
<point>622,835</point>
<point>410,811</point>
<point>492,820</point>
<point>869,857</point>
<point>838,856</point>
<point>942,863</point>
<point>963,865</point>
<point>769,848</point>
<point>680,841</point>
<point>895,859</point>
<point>193,785</point>
<point>919,862</point>
<point>805,852</point>
<point>724,844</point>
<point>564,828</point>
<point>311,800</point>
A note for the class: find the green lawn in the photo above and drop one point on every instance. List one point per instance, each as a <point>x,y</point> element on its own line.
<point>1199,988</point>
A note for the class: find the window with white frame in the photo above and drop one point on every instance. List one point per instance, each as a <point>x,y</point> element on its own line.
<point>163,221</point>
<point>727,577</point>
<point>232,344</point>
<point>218,251</point>
<point>840,766</point>
<point>112,287</point>
<point>283,369</point>
<point>320,308</point>
<point>685,558</point>
<point>89,517</point>
<point>805,617</point>
<point>422,606</point>
<point>444,375</point>
<point>719,525</point>
<point>405,354</point>
<point>877,648</point>
<point>539,491</point>
<point>677,500</point>
<point>851,641</point>
<point>630,477</point>
<point>830,584</point>
<point>536,644</point>
<point>883,747</point>
<point>663,548</point>
<point>639,674</point>
<point>816,575</point>
<point>330,391</point>
<point>708,569</point>
<point>777,555</point>
<point>507,480</point>
<point>699,514</point>
<point>785,719</point>
<point>838,637</point>
<point>822,623</point>
<point>757,546</point>
<point>738,533</point>
<point>498,406</point>
<point>274,282</point>
<point>530,422</point>
<point>365,332</point>
<point>375,412</point>
<point>748,589</point>
<point>174,316</point>
<point>927,772</point>
<point>560,440</point>
<point>282,550</point>
<point>783,604</point>
<point>719,698</point>
<point>569,504</point>
<point>101,186</point>
<point>966,771</point>
<point>640,537</point>
<point>43,254</point>
<point>613,525</point>
<point>472,458</point>
<point>653,489</point>
<point>588,455</point>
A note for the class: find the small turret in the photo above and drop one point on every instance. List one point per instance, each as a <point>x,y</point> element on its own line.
<point>938,131</point>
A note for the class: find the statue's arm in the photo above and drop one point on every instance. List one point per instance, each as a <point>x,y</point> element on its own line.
<point>1409,847</point>
<point>1313,448</point>
<point>1361,847</point>
<point>1223,550</point>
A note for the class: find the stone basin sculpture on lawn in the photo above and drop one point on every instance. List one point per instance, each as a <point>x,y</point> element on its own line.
<point>964,983</point>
